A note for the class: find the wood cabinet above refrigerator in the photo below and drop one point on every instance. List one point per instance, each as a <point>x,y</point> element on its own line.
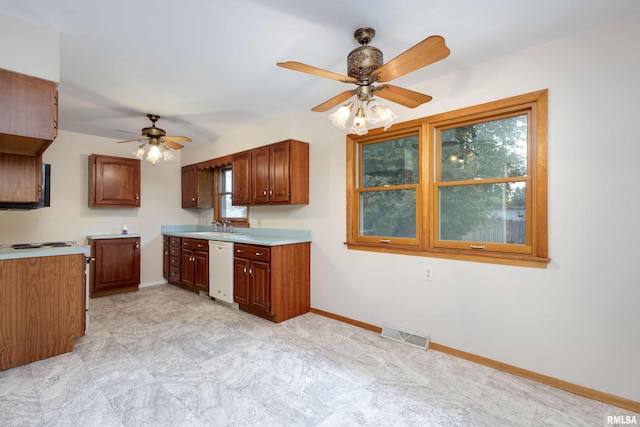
<point>28,113</point>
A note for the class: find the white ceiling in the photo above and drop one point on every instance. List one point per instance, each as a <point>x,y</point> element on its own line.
<point>208,66</point>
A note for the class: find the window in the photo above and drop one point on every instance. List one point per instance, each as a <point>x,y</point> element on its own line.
<point>388,189</point>
<point>223,208</point>
<point>469,184</point>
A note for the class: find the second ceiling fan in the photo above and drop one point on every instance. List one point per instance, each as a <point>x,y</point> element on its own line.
<point>367,70</point>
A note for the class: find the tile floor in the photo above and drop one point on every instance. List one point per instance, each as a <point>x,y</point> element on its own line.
<point>166,357</point>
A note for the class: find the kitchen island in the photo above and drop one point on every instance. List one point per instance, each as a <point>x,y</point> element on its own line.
<point>42,302</point>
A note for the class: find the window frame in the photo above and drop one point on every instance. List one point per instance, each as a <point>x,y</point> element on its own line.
<point>217,193</point>
<point>406,241</point>
<point>535,254</point>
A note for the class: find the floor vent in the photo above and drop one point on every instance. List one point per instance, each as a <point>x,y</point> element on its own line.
<point>414,339</point>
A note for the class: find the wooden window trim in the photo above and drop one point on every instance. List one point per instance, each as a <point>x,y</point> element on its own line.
<point>427,246</point>
<point>235,222</point>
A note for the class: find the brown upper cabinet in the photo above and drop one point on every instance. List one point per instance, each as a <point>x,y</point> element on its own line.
<point>114,181</point>
<point>241,178</point>
<point>276,174</point>
<point>197,187</point>
<point>28,114</point>
<point>20,178</point>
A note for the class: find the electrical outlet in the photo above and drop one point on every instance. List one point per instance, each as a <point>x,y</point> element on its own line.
<point>428,273</point>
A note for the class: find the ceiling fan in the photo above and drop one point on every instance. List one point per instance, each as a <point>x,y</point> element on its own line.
<point>157,141</point>
<point>365,69</point>
<point>156,136</point>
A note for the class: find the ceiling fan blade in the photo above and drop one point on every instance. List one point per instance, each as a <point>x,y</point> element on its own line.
<point>329,104</point>
<point>401,96</point>
<point>133,140</point>
<point>126,131</point>
<point>304,68</point>
<point>172,145</point>
<point>176,138</point>
<point>428,51</point>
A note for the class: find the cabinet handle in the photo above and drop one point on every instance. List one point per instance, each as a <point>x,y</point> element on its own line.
<point>199,245</point>
<point>166,252</point>
<point>264,193</point>
<point>271,192</point>
<point>385,241</point>
<point>244,270</point>
<point>137,245</point>
<point>239,251</point>
<point>137,197</point>
<point>251,271</point>
<point>258,253</point>
<point>193,199</point>
<point>477,246</point>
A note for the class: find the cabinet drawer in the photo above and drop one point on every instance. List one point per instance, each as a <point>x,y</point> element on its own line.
<point>165,240</point>
<point>196,244</point>
<point>174,261</point>
<point>174,251</point>
<point>258,253</point>
<point>174,274</point>
<point>174,241</point>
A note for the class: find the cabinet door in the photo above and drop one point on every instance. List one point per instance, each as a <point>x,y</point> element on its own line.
<point>20,178</point>
<point>189,179</point>
<point>117,263</point>
<point>279,174</point>
<point>29,119</point>
<point>114,181</point>
<point>197,187</point>
<point>241,178</point>
<point>187,267</point>
<point>260,291</point>
<point>201,274</point>
<point>241,280</point>
<point>260,175</point>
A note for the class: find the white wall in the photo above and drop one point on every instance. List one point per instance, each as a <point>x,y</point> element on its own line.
<point>42,44</point>
<point>70,218</point>
<point>576,320</point>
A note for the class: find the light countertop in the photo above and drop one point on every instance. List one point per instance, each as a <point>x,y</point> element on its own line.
<point>40,252</point>
<point>112,236</point>
<point>251,236</point>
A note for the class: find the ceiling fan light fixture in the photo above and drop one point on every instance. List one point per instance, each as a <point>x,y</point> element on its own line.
<point>154,154</point>
<point>139,153</point>
<point>167,155</point>
<point>159,145</point>
<point>341,115</point>
<point>359,126</point>
<point>377,112</point>
<point>369,110</point>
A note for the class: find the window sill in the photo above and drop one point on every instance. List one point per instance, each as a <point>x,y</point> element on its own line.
<point>486,257</point>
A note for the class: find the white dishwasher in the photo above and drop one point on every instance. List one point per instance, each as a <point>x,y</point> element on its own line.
<point>221,270</point>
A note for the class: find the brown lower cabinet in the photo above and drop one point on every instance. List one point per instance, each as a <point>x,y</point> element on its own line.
<point>42,307</point>
<point>116,266</point>
<point>186,263</point>
<point>272,282</point>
